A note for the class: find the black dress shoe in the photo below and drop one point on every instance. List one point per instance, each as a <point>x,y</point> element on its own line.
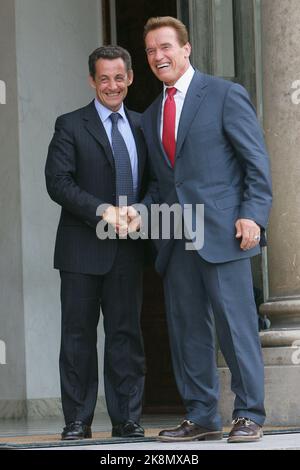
<point>245,430</point>
<point>189,431</point>
<point>128,429</point>
<point>76,430</point>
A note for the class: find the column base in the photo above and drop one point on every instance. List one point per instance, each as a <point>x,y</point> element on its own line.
<point>282,313</point>
<point>282,402</point>
<point>281,354</point>
<point>277,338</point>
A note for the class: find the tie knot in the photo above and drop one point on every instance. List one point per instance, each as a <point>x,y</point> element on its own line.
<point>171,91</point>
<point>115,117</point>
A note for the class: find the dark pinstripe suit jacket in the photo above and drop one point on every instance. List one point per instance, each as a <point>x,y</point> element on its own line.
<point>80,175</point>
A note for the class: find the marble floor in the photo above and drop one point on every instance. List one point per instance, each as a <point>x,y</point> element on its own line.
<point>275,438</point>
<point>101,423</point>
<point>54,425</point>
<point>269,442</point>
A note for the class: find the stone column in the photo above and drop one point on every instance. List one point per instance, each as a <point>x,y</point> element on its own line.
<point>281,67</point>
<point>280,21</point>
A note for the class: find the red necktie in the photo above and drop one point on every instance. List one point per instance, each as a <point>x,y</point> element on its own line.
<point>168,134</point>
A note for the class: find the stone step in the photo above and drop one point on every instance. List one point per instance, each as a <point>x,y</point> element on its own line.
<point>289,356</point>
<point>282,404</point>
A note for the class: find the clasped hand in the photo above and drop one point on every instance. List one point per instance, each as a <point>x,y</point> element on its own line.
<point>124,219</point>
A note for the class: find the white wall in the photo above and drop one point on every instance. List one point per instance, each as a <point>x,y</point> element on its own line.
<point>53,41</point>
<point>12,372</point>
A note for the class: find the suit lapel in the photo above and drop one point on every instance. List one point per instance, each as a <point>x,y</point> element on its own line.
<point>139,142</point>
<point>194,97</point>
<point>95,127</point>
<point>196,93</point>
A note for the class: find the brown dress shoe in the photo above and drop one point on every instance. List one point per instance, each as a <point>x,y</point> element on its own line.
<point>245,430</point>
<point>188,431</point>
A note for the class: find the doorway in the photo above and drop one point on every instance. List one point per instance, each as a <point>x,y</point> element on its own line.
<point>125,20</point>
<point>124,24</point>
<point>225,41</point>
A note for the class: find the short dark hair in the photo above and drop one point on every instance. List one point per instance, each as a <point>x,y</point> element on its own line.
<point>168,21</point>
<point>110,53</point>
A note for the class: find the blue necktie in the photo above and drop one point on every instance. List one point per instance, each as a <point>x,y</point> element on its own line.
<point>124,181</point>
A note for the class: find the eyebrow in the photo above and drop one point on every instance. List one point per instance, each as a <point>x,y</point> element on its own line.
<point>115,76</point>
<point>161,45</point>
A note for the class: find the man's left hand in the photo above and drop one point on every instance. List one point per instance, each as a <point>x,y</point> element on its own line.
<point>249,232</point>
<point>133,221</point>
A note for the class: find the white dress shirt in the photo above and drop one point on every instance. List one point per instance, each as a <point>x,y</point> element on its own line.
<point>182,86</point>
<point>125,129</point>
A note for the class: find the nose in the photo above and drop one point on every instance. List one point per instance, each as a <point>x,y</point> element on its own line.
<point>159,55</point>
<point>113,85</point>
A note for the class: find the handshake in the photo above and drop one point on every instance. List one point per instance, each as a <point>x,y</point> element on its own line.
<point>123,219</point>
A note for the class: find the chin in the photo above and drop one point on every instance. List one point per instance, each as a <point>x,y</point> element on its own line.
<point>167,78</point>
<point>169,81</point>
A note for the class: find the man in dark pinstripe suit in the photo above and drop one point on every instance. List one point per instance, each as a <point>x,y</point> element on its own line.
<point>81,173</point>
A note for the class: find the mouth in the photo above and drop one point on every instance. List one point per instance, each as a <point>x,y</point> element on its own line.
<point>165,65</point>
<point>112,95</point>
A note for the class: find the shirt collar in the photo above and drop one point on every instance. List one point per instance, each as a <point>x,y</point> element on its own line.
<point>184,81</point>
<point>104,112</point>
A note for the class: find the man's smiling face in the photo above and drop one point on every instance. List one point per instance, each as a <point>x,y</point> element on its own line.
<point>111,82</point>
<point>167,58</point>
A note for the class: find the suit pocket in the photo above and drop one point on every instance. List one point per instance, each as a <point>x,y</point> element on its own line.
<point>228,201</point>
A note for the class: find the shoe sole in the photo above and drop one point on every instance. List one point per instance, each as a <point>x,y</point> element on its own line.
<point>237,439</point>
<point>75,438</point>
<point>211,436</point>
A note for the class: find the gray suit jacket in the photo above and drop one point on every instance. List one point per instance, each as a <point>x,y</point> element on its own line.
<point>221,162</point>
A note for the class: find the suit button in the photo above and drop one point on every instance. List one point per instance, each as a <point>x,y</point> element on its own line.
<point>178,184</point>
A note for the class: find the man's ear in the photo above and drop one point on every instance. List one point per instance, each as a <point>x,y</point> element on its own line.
<point>92,82</point>
<point>187,49</point>
<point>129,77</point>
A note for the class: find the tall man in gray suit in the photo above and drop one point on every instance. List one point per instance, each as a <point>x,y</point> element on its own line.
<point>206,147</point>
<point>98,154</point>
